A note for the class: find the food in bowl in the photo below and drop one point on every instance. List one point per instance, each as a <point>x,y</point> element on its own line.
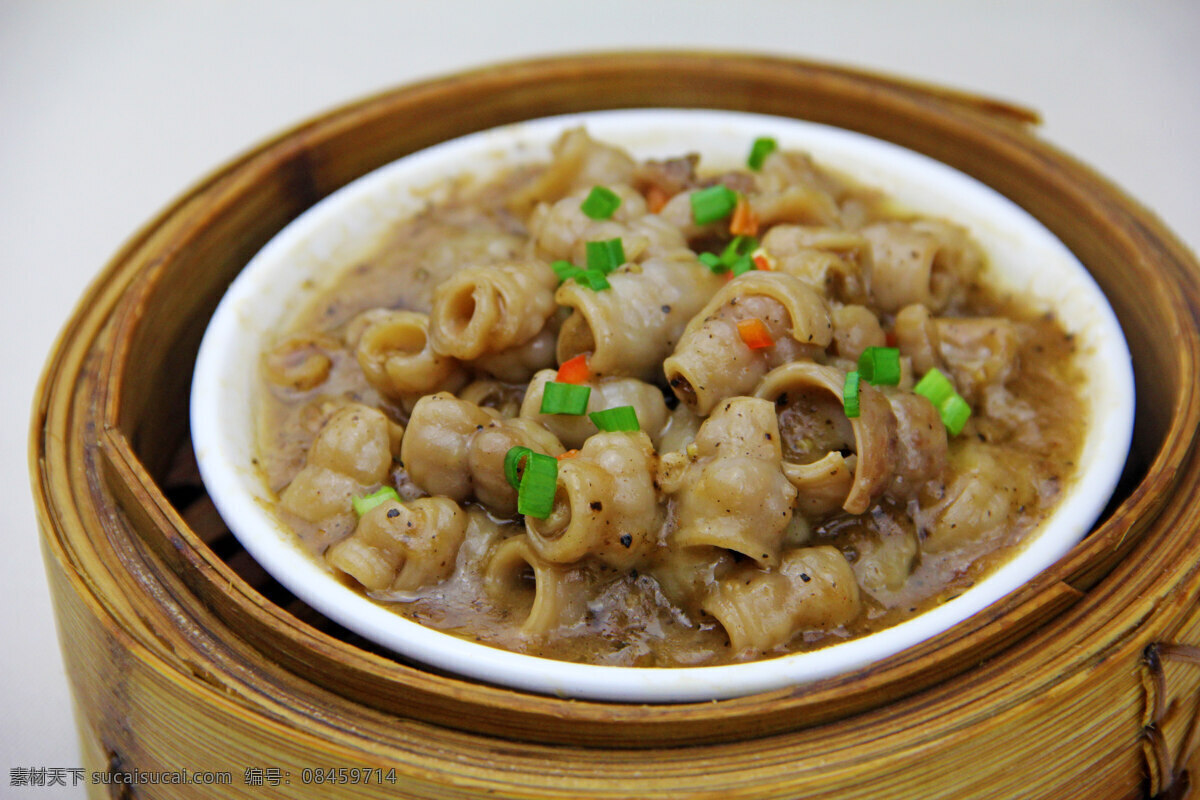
<point>638,412</point>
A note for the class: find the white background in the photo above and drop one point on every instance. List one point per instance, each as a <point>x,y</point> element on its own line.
<point>108,110</point>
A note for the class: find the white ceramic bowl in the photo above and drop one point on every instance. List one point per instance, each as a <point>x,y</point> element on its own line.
<point>336,232</point>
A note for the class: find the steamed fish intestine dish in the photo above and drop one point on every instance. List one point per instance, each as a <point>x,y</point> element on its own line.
<point>645,413</point>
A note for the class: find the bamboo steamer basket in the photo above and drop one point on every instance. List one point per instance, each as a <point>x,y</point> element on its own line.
<point>183,654</point>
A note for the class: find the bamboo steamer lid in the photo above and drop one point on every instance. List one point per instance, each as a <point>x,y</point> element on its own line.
<point>182,653</point>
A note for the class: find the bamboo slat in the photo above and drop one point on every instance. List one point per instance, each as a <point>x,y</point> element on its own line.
<point>183,654</point>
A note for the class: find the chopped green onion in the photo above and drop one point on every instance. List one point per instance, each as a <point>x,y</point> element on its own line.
<point>565,398</point>
<point>736,256</point>
<point>951,406</point>
<point>713,262</point>
<point>565,270</point>
<point>364,504</point>
<point>619,418</point>
<point>514,463</point>
<point>539,482</point>
<point>601,203</point>
<point>605,256</point>
<point>593,279</point>
<point>880,366</point>
<point>936,386</point>
<point>762,147</point>
<point>738,247</point>
<point>742,265</point>
<point>712,204</point>
<point>955,412</point>
<point>850,394</point>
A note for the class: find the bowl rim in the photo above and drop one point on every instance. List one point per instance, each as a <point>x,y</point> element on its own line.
<point>300,572</point>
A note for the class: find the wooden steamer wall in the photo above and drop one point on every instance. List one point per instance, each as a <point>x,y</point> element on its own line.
<point>183,654</point>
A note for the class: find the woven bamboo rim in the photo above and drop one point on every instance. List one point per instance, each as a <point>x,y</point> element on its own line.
<point>182,654</point>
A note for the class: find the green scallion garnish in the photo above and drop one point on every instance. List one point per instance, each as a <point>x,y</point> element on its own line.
<point>539,482</point>
<point>953,409</point>
<point>712,204</point>
<point>618,418</point>
<point>955,412</point>
<point>850,394</point>
<point>762,147</point>
<point>565,398</point>
<point>742,265</point>
<point>365,503</point>
<point>738,247</point>
<point>565,270</point>
<point>600,203</point>
<point>514,464</point>
<point>593,279</point>
<point>880,366</point>
<point>737,256</point>
<point>713,262</point>
<point>605,256</point>
<point>936,386</point>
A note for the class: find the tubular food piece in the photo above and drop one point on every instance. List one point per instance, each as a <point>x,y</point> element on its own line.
<point>687,575</point>
<point>729,491</point>
<point>355,443</point>
<point>632,326</point>
<point>300,362</point>
<point>455,448</point>
<point>573,429</point>
<point>922,444</point>
<point>394,352</point>
<point>490,309</point>
<point>437,442</point>
<point>681,428</point>
<point>823,485</point>
<point>792,189</point>
<point>855,328</point>
<point>579,162</point>
<point>605,506</point>
<point>924,262</point>
<point>562,230</point>
<point>518,364</point>
<point>485,459</point>
<point>352,450</point>
<point>834,263</point>
<point>809,399</point>
<point>317,493</point>
<point>400,547</point>
<point>713,362</point>
<point>813,589</point>
<point>917,337</point>
<point>534,589</point>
